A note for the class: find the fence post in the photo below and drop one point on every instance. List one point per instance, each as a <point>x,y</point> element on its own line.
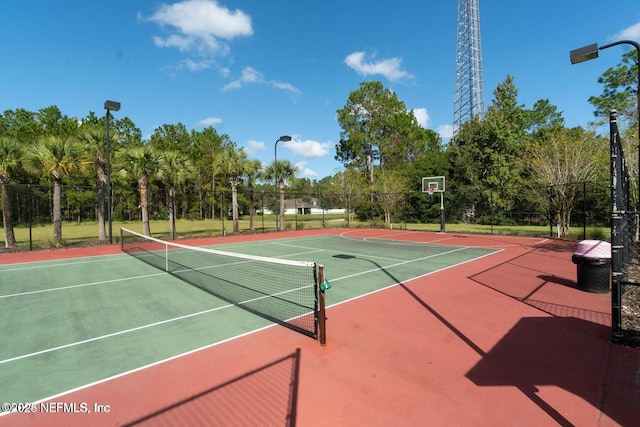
<point>491,206</point>
<point>223,213</point>
<point>262,210</point>
<point>584,210</point>
<point>30,196</point>
<point>617,243</point>
<point>550,187</point>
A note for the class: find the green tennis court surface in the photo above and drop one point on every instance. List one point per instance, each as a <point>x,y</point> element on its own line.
<point>70,323</point>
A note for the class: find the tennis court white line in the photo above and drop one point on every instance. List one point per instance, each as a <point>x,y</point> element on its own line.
<point>411,279</point>
<point>114,334</point>
<point>150,365</point>
<point>150,325</point>
<point>400,233</point>
<point>58,263</point>
<point>205,311</point>
<point>40,291</point>
<point>82,285</point>
<point>496,246</point>
<point>448,236</point>
<point>339,252</point>
<point>187,353</point>
<point>384,240</point>
<point>401,263</point>
<point>201,312</point>
<point>55,264</point>
<point>267,242</point>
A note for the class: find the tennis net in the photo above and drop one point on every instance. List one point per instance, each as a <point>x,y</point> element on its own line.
<point>284,291</point>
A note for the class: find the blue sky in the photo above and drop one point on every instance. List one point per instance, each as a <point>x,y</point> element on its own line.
<point>256,70</point>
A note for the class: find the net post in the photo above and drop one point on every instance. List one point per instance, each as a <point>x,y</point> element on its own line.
<point>121,240</point>
<point>166,258</point>
<point>322,324</point>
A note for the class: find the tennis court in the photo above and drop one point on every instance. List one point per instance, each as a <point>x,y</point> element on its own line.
<point>78,326</point>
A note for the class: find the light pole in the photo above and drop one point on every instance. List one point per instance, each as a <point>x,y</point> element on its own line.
<point>109,106</point>
<point>284,138</point>
<point>617,241</point>
<point>590,52</point>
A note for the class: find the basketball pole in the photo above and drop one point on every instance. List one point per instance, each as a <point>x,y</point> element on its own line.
<point>442,212</point>
<point>434,184</point>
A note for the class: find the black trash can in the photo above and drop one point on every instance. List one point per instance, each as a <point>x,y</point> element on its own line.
<point>593,261</point>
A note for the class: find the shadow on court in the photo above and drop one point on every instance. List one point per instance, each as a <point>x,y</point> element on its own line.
<point>569,353</point>
<point>265,396</point>
<point>546,280</point>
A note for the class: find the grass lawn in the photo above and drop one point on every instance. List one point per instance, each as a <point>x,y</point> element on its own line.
<point>77,233</point>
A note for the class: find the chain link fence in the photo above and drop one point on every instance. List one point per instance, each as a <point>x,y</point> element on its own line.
<point>209,212</point>
<point>625,274</point>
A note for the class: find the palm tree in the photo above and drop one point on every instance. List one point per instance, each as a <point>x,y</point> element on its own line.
<point>143,164</point>
<point>93,140</point>
<point>10,158</point>
<point>284,171</point>
<point>60,158</point>
<point>233,161</point>
<point>252,170</point>
<point>177,169</point>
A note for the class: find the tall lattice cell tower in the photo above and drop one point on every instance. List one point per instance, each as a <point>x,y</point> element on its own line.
<point>469,92</point>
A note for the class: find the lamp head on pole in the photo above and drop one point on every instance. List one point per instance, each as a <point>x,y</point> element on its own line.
<point>111,105</point>
<point>285,138</point>
<point>585,53</point>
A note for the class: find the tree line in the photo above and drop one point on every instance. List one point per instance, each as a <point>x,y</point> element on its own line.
<point>180,166</point>
<point>513,158</point>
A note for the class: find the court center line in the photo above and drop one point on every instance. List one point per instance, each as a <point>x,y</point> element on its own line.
<point>339,252</point>
<point>200,312</point>
<point>382,236</point>
<point>448,267</point>
<point>82,285</point>
<point>114,334</point>
<point>184,354</point>
<point>150,325</point>
<point>400,263</point>
<point>40,291</point>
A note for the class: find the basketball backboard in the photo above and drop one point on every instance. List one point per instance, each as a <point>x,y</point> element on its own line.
<point>434,183</point>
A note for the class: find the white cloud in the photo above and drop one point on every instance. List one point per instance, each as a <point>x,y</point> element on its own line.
<point>224,72</point>
<point>210,121</point>
<point>180,42</point>
<point>198,25</point>
<point>309,149</point>
<point>629,33</point>
<point>445,131</point>
<point>303,170</point>
<point>254,146</point>
<point>251,76</point>
<point>389,68</point>
<point>287,87</point>
<point>192,65</point>
<point>422,116</point>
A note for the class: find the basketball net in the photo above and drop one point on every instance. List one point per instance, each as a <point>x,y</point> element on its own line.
<point>430,191</point>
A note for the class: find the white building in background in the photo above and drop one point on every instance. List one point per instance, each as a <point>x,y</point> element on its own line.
<point>299,206</point>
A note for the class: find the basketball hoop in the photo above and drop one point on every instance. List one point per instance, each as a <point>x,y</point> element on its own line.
<point>435,184</point>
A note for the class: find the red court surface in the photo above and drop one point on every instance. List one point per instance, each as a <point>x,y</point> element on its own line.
<point>506,339</point>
